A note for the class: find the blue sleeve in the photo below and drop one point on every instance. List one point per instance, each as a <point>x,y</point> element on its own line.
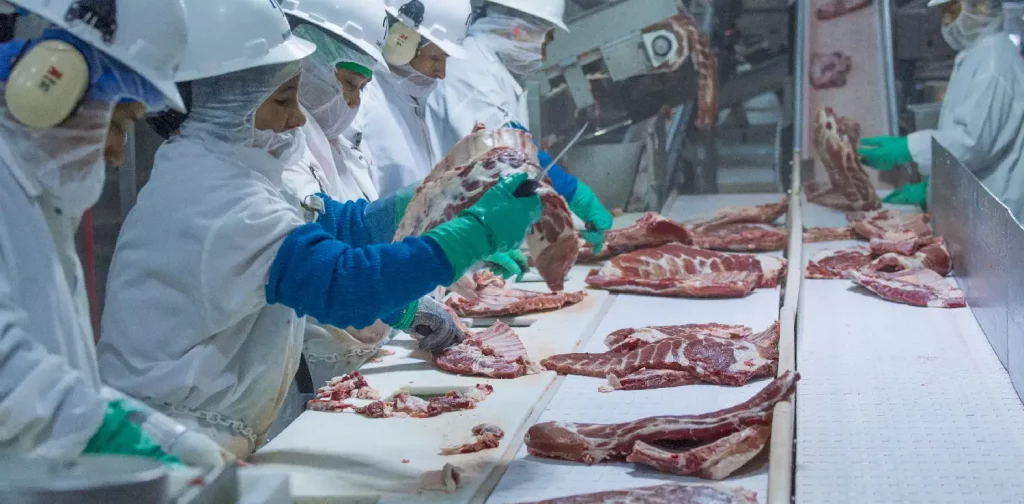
<point>564,184</point>
<point>359,223</point>
<point>343,286</point>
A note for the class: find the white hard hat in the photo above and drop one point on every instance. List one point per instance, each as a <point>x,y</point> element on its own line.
<point>226,37</point>
<point>552,11</point>
<point>443,22</point>
<point>147,36</point>
<point>936,3</point>
<point>357,21</point>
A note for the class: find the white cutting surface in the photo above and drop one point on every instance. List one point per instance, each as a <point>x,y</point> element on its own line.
<point>334,457</point>
<point>899,404</point>
<point>531,478</point>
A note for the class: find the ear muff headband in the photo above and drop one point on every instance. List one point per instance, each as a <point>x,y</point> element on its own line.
<point>401,45</point>
<point>47,83</point>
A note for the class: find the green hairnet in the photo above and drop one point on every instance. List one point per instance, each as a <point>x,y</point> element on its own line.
<point>332,51</point>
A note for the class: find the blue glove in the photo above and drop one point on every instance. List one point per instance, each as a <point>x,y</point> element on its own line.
<point>910,194</point>
<point>359,223</point>
<point>118,435</point>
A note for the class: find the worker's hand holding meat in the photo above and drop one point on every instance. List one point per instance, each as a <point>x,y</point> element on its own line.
<point>909,194</point>
<point>498,222</point>
<point>582,201</point>
<point>435,327</point>
<point>509,264</point>
<point>884,153</point>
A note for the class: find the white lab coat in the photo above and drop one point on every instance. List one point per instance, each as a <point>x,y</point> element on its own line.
<point>982,119</point>
<point>476,89</point>
<point>392,124</point>
<point>187,327</point>
<point>50,389</point>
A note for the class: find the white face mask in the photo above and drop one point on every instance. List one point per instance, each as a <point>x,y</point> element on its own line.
<point>275,144</point>
<point>954,36</point>
<point>519,43</point>
<point>67,160</point>
<point>412,82</point>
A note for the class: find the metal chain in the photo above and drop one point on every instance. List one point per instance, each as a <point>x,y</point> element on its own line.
<point>217,419</point>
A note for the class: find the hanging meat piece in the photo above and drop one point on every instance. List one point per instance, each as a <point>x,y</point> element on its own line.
<point>650,230</point>
<point>829,70</point>
<point>475,165</point>
<point>849,188</point>
<point>494,299</point>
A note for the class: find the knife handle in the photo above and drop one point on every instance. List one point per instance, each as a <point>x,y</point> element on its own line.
<point>526,189</point>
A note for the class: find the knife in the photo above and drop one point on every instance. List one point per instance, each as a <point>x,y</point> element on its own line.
<point>529,188</point>
<point>489,321</point>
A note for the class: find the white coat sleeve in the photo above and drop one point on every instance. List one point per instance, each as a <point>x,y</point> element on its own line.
<point>978,128</point>
<point>47,409</point>
<point>456,106</point>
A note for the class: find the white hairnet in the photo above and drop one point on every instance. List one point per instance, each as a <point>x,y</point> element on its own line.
<point>224,106</point>
<point>990,8</point>
<point>330,50</point>
<point>518,40</point>
<point>977,19</point>
<point>321,93</point>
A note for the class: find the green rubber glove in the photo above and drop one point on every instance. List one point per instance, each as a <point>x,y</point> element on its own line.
<point>402,199</point>
<point>587,207</point>
<point>408,315</point>
<point>498,222</point>
<point>884,153</point>
<point>120,436</point>
<point>509,264</point>
<point>910,194</point>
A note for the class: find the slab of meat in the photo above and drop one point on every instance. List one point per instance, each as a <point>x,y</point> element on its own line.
<point>674,360</point>
<point>704,62</point>
<point>671,493</point>
<point>833,264</point>
<point>594,443</point>
<point>650,230</point>
<point>825,234</point>
<point>626,340</point>
<point>496,352</point>
<point>849,188</point>
<point>487,436</point>
<point>678,270</point>
<point>892,231</point>
<point>760,214</point>
<point>475,165</point>
<point>742,237</point>
<point>934,256</point>
<point>920,287</point>
<point>713,461</point>
<point>829,70</point>
<point>831,9</point>
<point>493,299</point>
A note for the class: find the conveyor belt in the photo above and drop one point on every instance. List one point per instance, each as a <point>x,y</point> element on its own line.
<point>899,403</point>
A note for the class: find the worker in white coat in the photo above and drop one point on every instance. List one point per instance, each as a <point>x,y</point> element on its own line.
<point>982,117</point>
<point>506,43</point>
<point>217,267</point>
<point>64,97</point>
<point>421,36</point>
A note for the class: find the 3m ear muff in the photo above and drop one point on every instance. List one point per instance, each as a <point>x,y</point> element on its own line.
<point>47,84</point>
<point>401,45</point>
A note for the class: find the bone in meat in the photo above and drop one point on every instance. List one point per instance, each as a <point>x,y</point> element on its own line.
<point>678,270</point>
<point>487,436</point>
<point>829,70</point>
<point>741,237</point>
<point>495,352</point>
<point>670,493</point>
<point>848,188</point>
<point>934,256</point>
<point>827,234</point>
<point>892,231</point>
<point>760,214</point>
<point>920,287</point>
<point>475,165</point>
<point>713,461</point>
<point>625,340</point>
<point>594,443</point>
<point>683,359</point>
<point>650,230</point>
<point>698,44</point>
<point>833,264</point>
<point>494,299</point>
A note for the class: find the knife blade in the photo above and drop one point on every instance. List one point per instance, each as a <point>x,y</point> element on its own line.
<point>529,188</point>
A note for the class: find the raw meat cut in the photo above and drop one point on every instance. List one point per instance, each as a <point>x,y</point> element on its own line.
<point>487,436</point>
<point>678,270</point>
<point>332,397</point>
<point>704,62</point>
<point>831,9</point>
<point>447,479</point>
<point>920,287</point>
<point>406,405</point>
<point>848,188</point>
<point>829,70</point>
<point>670,493</point>
<point>833,264</point>
<point>594,443</point>
<point>626,340</point>
<point>892,231</point>
<point>473,166</point>
<point>825,234</point>
<point>672,360</point>
<point>650,230</point>
<point>934,256</point>
<point>713,461</point>
<point>493,299</point>
<point>760,214</point>
<point>741,237</point>
<point>496,352</point>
